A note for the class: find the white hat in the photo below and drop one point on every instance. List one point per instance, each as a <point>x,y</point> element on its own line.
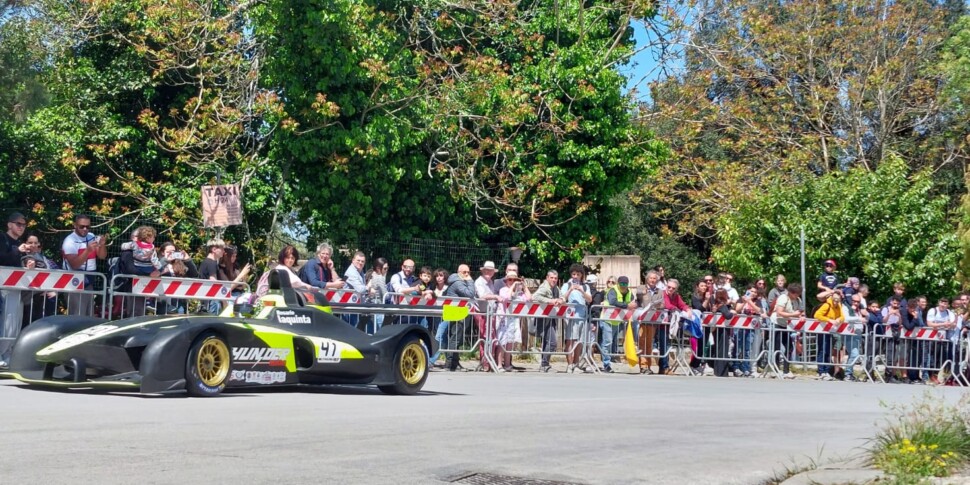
<point>591,279</point>
<point>489,265</point>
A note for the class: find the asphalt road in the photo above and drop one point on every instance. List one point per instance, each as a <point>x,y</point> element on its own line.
<point>571,428</point>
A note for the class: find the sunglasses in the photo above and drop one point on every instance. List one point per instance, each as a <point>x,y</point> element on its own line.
<point>84,226</point>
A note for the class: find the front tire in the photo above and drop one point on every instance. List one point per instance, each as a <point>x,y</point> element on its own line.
<point>207,366</point>
<point>410,368</point>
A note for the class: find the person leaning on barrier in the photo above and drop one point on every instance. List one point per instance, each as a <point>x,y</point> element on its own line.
<point>460,285</point>
<point>547,293</point>
<point>288,258</point>
<point>209,269</point>
<point>942,319</point>
<point>439,327</point>
<point>673,303</point>
<point>229,270</point>
<point>13,247</point>
<point>320,271</point>
<point>81,251</point>
<point>892,316</point>
<point>508,332</point>
<point>355,279</point>
<point>576,292</point>
<point>830,312</point>
<point>651,299</point>
<point>128,264</point>
<point>620,296</point>
<point>789,305</point>
<point>855,314</point>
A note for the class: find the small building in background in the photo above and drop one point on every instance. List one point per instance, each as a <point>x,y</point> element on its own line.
<point>604,266</point>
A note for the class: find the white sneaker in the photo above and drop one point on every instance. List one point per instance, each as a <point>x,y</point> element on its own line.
<point>825,377</point>
<point>738,373</point>
<point>570,368</point>
<point>708,371</point>
<point>789,376</point>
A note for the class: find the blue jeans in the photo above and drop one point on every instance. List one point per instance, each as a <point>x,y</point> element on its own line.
<point>823,354</point>
<point>606,342</point>
<point>663,336</point>
<point>375,323</point>
<point>214,307</point>
<point>351,318</point>
<point>852,351</point>
<point>742,349</point>
<point>441,335</point>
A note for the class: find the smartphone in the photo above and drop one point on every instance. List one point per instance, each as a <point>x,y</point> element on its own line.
<point>177,255</point>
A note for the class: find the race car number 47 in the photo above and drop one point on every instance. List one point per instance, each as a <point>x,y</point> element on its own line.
<point>329,352</point>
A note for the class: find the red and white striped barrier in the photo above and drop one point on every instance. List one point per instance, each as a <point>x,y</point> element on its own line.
<point>810,325</point>
<point>182,288</point>
<point>36,279</point>
<point>342,296</point>
<point>529,309</point>
<point>435,301</point>
<point>637,315</point>
<point>924,334</point>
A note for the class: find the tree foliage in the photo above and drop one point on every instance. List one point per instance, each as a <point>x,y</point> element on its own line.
<point>149,101</point>
<point>883,226</point>
<point>773,92</point>
<point>479,119</point>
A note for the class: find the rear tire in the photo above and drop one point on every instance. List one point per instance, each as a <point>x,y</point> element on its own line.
<point>410,368</point>
<point>207,366</point>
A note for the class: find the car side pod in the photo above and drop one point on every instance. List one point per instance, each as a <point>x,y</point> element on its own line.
<point>40,334</point>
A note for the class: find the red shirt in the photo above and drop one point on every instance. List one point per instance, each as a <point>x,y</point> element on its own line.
<point>674,302</point>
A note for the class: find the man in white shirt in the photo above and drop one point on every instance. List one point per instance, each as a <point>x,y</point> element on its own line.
<point>81,250</point>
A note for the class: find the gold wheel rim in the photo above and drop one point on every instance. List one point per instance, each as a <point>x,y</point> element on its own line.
<point>213,362</point>
<point>413,363</point>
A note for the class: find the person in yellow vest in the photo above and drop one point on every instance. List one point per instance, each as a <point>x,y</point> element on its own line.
<point>620,296</point>
<point>830,311</point>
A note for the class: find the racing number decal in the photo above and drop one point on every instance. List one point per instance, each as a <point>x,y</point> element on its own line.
<point>329,352</point>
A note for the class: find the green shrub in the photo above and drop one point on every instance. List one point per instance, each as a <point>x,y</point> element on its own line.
<point>928,438</point>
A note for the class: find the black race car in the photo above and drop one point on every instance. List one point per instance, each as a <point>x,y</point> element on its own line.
<point>294,339</point>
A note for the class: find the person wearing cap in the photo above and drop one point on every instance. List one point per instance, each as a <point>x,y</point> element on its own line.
<point>851,287</point>
<point>827,281</point>
<point>11,252</point>
<point>13,247</point>
<point>485,291</point>
<point>620,296</point>
<point>509,333</point>
<point>576,292</point>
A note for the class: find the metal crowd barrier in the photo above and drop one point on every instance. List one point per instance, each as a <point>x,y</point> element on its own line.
<point>31,294</point>
<point>452,337</point>
<point>169,296</point>
<point>921,353</point>
<point>731,344</point>
<point>649,326</point>
<point>501,321</point>
<point>827,339</point>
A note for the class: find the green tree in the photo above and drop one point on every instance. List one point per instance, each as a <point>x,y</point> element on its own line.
<point>469,120</point>
<point>883,226</point>
<point>773,92</point>
<point>149,101</point>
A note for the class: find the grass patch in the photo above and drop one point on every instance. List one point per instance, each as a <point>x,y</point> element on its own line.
<point>928,438</point>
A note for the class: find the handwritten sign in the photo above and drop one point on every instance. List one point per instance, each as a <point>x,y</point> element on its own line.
<point>221,205</point>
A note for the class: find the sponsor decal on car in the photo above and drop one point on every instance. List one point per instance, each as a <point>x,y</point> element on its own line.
<point>329,352</point>
<point>291,317</point>
<point>80,337</point>
<point>259,355</point>
<point>265,377</point>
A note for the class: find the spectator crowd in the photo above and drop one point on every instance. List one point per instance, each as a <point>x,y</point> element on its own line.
<point>738,352</point>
